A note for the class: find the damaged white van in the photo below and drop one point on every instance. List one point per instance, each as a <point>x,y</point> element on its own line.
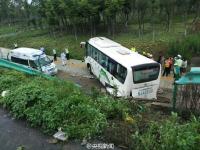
<point>33,58</point>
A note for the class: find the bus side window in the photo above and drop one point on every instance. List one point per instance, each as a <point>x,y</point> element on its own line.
<point>121,73</point>
<point>89,51</point>
<point>103,60</point>
<point>112,67</point>
<point>86,45</point>
<point>95,54</point>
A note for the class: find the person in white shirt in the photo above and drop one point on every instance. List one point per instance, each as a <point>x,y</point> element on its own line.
<point>42,49</point>
<point>15,45</point>
<point>179,60</point>
<point>63,58</point>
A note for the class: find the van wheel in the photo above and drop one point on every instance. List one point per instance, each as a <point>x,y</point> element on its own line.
<point>90,69</point>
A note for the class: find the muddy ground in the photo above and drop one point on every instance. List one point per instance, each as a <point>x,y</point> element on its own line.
<point>85,83</point>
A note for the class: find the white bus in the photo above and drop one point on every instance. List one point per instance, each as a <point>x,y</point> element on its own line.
<point>33,58</point>
<point>121,71</point>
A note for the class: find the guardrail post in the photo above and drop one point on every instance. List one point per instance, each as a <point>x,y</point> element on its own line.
<point>174,96</point>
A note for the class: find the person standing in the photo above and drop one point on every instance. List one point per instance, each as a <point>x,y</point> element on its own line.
<point>67,53</point>
<point>184,66</point>
<point>177,63</point>
<point>42,49</point>
<point>133,49</point>
<point>63,58</point>
<point>54,55</point>
<point>166,67</point>
<point>159,59</point>
<point>15,45</point>
<point>1,53</point>
<point>170,64</point>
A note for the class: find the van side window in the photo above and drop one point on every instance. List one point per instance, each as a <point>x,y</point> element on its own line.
<point>19,61</point>
<point>32,64</point>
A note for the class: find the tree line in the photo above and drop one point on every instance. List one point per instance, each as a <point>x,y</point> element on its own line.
<point>90,16</point>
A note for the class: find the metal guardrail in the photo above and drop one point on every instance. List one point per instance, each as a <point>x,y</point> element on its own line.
<point>186,91</point>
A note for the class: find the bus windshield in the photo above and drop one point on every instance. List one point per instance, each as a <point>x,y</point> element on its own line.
<point>146,72</point>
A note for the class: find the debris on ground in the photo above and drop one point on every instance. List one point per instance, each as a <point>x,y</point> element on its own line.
<point>60,135</point>
<point>158,105</point>
<point>4,93</point>
<point>89,77</point>
<point>52,141</point>
<point>78,85</point>
<point>160,91</point>
<point>84,142</point>
<point>21,148</point>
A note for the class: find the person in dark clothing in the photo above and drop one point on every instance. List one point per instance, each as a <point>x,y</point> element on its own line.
<point>67,53</point>
<point>159,59</point>
<point>54,55</point>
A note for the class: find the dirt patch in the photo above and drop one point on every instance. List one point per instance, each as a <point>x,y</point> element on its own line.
<point>85,83</point>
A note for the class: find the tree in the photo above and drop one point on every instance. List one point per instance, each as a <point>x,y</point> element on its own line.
<point>154,6</point>
<point>168,7</point>
<point>184,7</point>
<point>112,7</point>
<point>141,6</point>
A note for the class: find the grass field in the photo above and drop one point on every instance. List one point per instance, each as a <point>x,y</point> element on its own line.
<point>41,38</point>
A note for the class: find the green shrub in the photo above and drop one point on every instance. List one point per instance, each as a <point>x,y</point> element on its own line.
<point>52,104</point>
<point>188,47</point>
<point>111,108</point>
<point>10,79</point>
<point>169,134</point>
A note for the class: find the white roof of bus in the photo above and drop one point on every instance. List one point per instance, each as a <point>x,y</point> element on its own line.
<point>27,51</point>
<point>121,54</point>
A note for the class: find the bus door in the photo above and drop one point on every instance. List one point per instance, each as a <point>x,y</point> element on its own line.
<point>94,63</point>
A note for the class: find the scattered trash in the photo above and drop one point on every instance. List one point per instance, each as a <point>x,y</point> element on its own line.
<point>103,90</point>
<point>4,93</point>
<point>160,91</point>
<point>84,142</point>
<point>21,148</point>
<point>89,77</point>
<point>60,135</point>
<point>128,119</point>
<point>78,85</point>
<point>123,147</point>
<point>52,141</point>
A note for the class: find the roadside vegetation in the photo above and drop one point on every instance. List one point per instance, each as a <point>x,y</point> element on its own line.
<point>53,104</point>
<point>37,38</point>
